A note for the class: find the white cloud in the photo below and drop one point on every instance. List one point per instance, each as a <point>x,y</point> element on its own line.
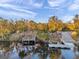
<point>16,11</point>
<point>25,3</point>
<point>17,8</point>
<point>56,3</point>
<point>13,8</point>
<point>4,1</point>
<point>47,7</point>
<point>29,3</point>
<point>74,5</point>
<point>67,18</point>
<point>14,14</point>
<point>37,5</point>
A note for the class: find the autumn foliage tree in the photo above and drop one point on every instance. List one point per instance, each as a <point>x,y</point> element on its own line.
<point>31,25</point>
<point>54,24</point>
<point>42,26</point>
<point>20,26</point>
<point>76,21</point>
<point>8,27</point>
<point>71,26</point>
<point>4,29</point>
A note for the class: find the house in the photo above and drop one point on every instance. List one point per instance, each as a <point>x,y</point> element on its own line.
<point>55,37</point>
<point>29,38</point>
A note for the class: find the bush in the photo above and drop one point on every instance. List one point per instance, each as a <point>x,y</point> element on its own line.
<point>42,35</point>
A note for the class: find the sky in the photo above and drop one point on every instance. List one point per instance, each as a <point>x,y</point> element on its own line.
<point>39,10</point>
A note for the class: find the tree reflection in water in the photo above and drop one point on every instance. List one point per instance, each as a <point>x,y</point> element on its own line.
<point>43,55</point>
<point>55,54</point>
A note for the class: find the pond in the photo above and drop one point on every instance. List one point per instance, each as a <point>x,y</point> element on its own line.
<point>64,54</point>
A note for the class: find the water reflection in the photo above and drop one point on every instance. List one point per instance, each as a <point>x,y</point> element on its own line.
<point>68,54</point>
<point>14,54</point>
<point>43,56</point>
<point>54,54</point>
<point>61,54</point>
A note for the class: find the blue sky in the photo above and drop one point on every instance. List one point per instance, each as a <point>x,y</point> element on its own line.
<point>39,10</point>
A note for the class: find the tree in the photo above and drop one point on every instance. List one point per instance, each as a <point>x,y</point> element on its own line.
<point>20,26</point>
<point>59,25</point>
<point>32,25</point>
<point>76,21</point>
<point>42,26</point>
<point>52,23</point>
<point>4,29</point>
<point>71,26</point>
